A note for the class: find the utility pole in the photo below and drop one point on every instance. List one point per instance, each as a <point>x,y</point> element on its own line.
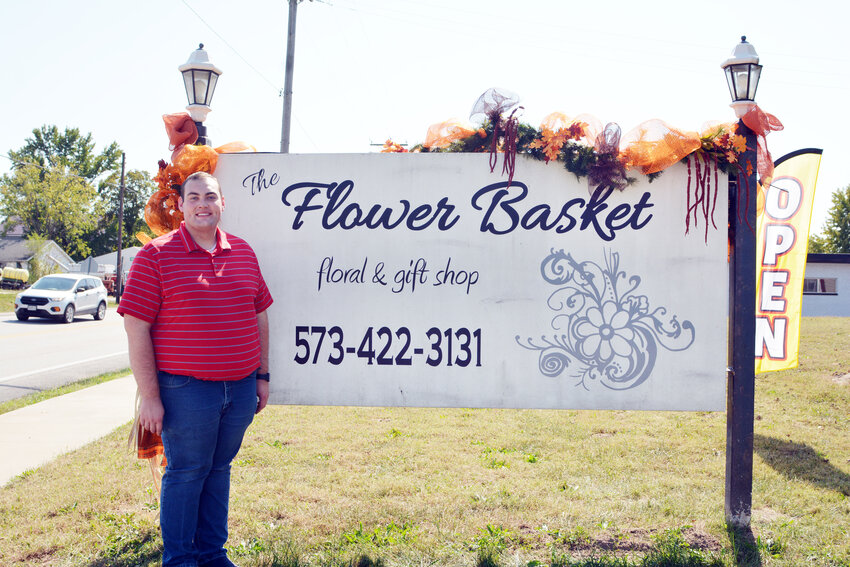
<point>118,266</point>
<point>287,81</point>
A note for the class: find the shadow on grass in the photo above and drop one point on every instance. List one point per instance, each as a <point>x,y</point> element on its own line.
<point>799,461</point>
<point>145,549</point>
<point>744,546</point>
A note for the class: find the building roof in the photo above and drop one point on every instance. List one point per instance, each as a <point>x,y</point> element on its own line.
<point>112,257</point>
<point>14,249</point>
<point>17,249</point>
<point>828,258</point>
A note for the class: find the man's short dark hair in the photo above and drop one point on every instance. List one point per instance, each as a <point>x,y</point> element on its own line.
<point>200,175</point>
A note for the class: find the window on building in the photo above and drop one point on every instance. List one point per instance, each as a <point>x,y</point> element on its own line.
<point>822,286</point>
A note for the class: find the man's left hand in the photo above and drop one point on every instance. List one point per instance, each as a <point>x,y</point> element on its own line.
<point>262,394</point>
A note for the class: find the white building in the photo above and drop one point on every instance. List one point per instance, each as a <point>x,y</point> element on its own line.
<point>18,252</point>
<point>105,264</point>
<point>826,288</point>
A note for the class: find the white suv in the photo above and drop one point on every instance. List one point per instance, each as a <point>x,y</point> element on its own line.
<point>61,296</point>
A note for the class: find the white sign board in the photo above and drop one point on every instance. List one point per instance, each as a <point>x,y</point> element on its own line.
<point>424,280</point>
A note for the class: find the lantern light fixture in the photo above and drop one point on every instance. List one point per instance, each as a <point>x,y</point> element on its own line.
<point>200,78</point>
<point>742,75</point>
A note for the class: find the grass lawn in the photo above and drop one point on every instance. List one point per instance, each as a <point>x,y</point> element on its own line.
<point>402,487</point>
<point>7,300</point>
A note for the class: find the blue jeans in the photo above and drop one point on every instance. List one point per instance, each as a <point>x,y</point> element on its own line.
<point>202,431</point>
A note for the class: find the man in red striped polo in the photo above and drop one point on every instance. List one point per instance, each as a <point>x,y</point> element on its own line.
<point>194,311</point>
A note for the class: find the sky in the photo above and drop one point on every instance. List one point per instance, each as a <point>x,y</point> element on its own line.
<point>368,70</point>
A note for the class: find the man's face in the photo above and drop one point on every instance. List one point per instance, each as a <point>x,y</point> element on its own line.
<point>201,204</point>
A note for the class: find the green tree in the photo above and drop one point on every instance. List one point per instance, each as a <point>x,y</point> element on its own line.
<point>817,244</point>
<point>71,151</point>
<point>836,230</point>
<point>52,204</point>
<point>51,192</point>
<point>37,267</point>
<point>138,187</point>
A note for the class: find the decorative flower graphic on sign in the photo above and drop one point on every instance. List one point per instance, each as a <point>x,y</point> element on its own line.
<point>610,336</point>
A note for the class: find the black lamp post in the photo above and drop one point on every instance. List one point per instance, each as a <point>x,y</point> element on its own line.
<point>742,74</point>
<point>200,78</point>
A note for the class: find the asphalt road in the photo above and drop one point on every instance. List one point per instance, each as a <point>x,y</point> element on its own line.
<point>40,354</point>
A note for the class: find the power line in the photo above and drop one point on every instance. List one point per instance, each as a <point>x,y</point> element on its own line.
<point>277,89</point>
<point>233,49</point>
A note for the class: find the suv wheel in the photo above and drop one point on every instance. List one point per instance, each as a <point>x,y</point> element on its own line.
<point>101,311</point>
<point>68,316</point>
<point>21,315</point>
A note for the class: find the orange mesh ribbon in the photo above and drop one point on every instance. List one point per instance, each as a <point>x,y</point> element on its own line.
<point>191,159</point>
<point>762,124</point>
<point>161,213</point>
<point>235,148</point>
<point>149,445</point>
<point>654,145</point>
<point>181,129</point>
<point>442,134</point>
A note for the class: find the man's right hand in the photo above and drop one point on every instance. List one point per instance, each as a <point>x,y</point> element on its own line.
<point>150,415</point>
<point>143,363</point>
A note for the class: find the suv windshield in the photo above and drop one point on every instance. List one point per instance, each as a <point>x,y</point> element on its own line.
<point>54,284</point>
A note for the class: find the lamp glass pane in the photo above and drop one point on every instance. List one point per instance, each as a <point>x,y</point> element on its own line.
<point>211,90</point>
<point>740,81</point>
<point>187,82</point>
<point>730,81</point>
<point>755,74</point>
<point>201,82</point>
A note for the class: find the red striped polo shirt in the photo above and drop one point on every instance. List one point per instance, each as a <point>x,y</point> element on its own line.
<point>202,305</point>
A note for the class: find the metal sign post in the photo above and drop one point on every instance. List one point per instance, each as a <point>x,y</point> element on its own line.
<point>740,391</point>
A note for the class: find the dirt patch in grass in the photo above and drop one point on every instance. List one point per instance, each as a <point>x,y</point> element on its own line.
<point>842,379</point>
<point>767,515</point>
<point>700,539</point>
<point>630,541</point>
<point>612,542</point>
<point>44,556</point>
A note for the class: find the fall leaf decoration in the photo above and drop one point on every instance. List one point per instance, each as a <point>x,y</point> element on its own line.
<point>552,142</point>
<point>739,144</point>
<point>391,147</point>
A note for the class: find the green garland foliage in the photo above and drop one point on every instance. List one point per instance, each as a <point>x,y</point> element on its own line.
<point>578,159</point>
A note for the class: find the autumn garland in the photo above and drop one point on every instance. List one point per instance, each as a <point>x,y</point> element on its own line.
<point>718,150</point>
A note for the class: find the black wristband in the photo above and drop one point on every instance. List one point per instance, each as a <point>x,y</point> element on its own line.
<point>265,377</point>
